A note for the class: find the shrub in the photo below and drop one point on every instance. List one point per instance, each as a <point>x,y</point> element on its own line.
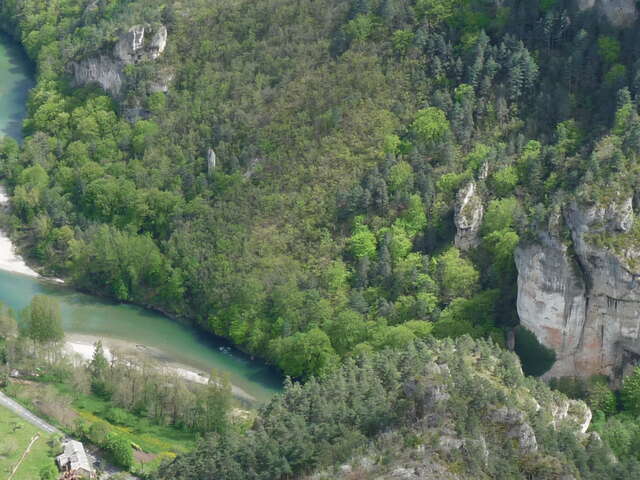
<point>120,450</point>
<point>118,416</point>
<point>49,472</point>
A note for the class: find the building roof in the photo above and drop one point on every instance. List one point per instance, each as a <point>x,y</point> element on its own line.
<point>74,453</point>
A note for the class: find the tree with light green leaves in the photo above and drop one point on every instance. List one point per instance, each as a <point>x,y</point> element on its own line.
<point>41,320</point>
<point>120,450</point>
<point>436,11</point>
<point>457,276</point>
<point>363,242</point>
<point>430,126</point>
<point>305,354</point>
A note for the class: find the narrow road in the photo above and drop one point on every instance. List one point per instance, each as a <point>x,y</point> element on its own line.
<point>19,410</point>
<point>22,412</point>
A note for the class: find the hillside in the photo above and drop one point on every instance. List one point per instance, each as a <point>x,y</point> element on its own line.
<point>443,410</point>
<point>380,197</point>
<point>324,177</point>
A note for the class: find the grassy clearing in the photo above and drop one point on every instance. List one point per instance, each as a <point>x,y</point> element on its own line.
<point>150,437</point>
<point>15,435</point>
<point>159,442</point>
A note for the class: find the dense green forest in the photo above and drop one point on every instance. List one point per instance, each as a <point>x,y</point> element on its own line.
<point>441,410</point>
<point>297,190</point>
<point>342,132</point>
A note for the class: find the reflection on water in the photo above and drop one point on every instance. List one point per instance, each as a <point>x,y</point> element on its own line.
<point>16,79</point>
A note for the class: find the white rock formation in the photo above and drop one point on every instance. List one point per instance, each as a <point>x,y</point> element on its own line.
<point>139,44</point>
<point>103,70</point>
<point>468,217</point>
<point>211,161</point>
<point>132,47</point>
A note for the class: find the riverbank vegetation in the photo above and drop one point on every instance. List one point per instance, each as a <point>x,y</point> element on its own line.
<point>124,403</point>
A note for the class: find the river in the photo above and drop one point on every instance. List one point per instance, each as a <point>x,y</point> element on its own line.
<point>86,317</point>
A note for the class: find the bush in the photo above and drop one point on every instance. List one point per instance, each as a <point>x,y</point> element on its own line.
<point>600,397</point>
<point>504,181</point>
<point>49,472</point>
<point>120,450</point>
<point>98,433</point>
<point>118,416</point>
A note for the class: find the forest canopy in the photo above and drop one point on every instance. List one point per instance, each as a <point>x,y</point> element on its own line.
<point>342,134</point>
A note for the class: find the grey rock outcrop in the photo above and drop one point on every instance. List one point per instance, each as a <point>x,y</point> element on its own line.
<point>133,48</point>
<point>103,70</point>
<point>552,299</point>
<point>468,217</point>
<point>211,161</point>
<point>139,44</point>
<point>573,411</point>
<point>584,303</point>
<point>526,437</point>
<point>620,13</point>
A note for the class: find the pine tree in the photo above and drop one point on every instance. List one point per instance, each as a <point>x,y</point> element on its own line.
<point>630,393</point>
<point>384,261</point>
<point>98,367</point>
<point>387,11</point>
<point>359,7</point>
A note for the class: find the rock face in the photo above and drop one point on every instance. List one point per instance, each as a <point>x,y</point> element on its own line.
<point>621,13</point>
<point>141,43</point>
<point>573,411</point>
<point>132,47</point>
<point>468,217</point>
<point>211,161</point>
<point>584,304</point>
<point>102,70</point>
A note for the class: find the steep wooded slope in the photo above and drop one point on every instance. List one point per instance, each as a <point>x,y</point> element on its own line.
<point>442,410</point>
<point>291,174</point>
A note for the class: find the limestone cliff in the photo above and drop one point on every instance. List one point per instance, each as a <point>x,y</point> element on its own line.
<point>139,44</point>
<point>581,297</point>
<point>621,13</point>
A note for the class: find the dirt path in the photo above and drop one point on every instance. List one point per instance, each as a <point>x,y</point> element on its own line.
<point>24,455</point>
